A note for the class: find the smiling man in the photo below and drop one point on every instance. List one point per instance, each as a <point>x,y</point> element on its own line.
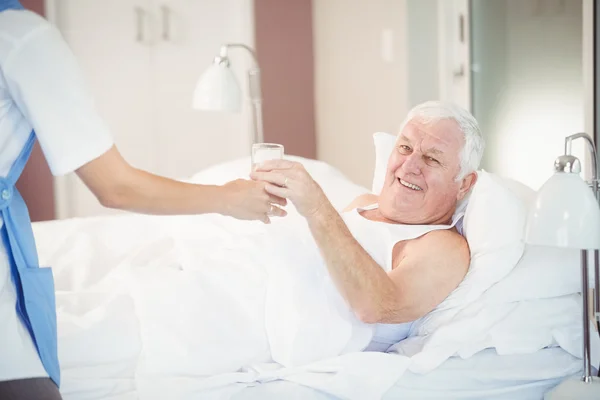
<point>396,256</point>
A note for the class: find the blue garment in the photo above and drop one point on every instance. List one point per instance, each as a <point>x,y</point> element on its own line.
<point>36,305</point>
<point>10,5</point>
<point>387,335</point>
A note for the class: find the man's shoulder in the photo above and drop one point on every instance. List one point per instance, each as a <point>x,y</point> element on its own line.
<point>444,234</point>
<point>444,242</point>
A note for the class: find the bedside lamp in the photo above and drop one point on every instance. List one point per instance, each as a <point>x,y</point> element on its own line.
<point>566,214</point>
<point>218,89</point>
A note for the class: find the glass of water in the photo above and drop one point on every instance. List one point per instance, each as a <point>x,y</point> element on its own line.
<point>265,151</point>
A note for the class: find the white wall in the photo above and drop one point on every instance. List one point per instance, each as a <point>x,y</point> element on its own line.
<point>358,90</point>
<point>422,51</point>
<point>528,91</point>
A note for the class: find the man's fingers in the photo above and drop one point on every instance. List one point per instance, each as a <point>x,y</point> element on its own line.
<point>270,165</point>
<point>277,191</point>
<point>276,178</point>
<point>277,212</point>
<point>277,200</point>
<point>262,176</point>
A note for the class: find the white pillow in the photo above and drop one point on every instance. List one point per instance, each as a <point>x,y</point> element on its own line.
<point>494,224</point>
<point>384,144</point>
<point>543,272</point>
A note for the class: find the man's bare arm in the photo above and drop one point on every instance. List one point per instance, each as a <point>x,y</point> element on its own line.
<point>433,266</point>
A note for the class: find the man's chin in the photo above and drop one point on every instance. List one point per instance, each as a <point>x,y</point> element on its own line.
<point>405,213</point>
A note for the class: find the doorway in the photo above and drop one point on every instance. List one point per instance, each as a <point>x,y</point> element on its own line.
<point>528,88</point>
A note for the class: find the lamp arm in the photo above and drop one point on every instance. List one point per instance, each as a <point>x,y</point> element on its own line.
<point>592,149</point>
<point>250,50</point>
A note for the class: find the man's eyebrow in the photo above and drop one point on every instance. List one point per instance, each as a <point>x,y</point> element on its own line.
<point>432,151</point>
<point>435,151</point>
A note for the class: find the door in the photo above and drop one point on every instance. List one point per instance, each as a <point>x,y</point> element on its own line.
<point>454,52</point>
<point>528,88</point>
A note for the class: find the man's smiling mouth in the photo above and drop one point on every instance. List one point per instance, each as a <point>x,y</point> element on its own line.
<point>409,185</point>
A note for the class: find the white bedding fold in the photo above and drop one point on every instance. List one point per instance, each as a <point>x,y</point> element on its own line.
<point>307,319</point>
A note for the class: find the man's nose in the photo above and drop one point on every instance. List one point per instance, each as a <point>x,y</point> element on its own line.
<point>412,164</point>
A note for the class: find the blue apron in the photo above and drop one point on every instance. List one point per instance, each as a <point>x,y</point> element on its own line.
<point>34,286</point>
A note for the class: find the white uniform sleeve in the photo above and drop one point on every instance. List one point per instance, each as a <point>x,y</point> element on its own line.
<point>46,84</point>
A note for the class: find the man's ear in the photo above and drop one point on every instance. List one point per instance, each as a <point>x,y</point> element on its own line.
<point>466,185</point>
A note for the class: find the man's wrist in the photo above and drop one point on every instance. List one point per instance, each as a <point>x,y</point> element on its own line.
<point>323,214</point>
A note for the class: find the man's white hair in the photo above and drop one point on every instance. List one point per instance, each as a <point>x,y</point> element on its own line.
<point>431,112</point>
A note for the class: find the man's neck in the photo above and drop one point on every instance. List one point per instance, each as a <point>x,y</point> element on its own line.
<point>376,215</point>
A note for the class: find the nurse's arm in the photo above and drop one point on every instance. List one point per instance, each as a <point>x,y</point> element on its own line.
<point>116,184</point>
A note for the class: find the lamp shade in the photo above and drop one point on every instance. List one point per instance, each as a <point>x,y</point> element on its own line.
<point>565,214</point>
<point>217,90</point>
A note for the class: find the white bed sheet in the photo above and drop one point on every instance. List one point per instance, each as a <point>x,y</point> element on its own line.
<point>486,375</point>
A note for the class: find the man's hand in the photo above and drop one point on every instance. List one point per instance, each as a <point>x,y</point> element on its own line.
<point>289,180</point>
<point>248,200</point>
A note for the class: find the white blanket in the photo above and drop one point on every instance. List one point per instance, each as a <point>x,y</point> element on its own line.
<point>178,307</point>
<point>169,310</point>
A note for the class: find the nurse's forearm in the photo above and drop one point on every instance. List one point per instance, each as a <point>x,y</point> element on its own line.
<point>151,194</point>
<point>118,185</point>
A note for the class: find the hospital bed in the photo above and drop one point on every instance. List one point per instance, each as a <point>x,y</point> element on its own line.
<point>486,375</point>
<point>172,308</point>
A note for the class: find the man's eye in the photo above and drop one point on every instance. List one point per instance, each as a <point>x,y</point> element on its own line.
<point>404,147</point>
<point>433,160</point>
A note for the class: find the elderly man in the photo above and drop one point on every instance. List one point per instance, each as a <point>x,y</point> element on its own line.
<point>431,169</point>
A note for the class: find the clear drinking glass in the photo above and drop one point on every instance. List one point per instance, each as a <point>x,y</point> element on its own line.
<point>265,151</point>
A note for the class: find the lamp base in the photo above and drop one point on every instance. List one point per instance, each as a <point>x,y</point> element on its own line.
<point>575,389</point>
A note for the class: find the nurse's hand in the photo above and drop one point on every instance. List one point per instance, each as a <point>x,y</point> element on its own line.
<point>290,180</point>
<point>248,200</point>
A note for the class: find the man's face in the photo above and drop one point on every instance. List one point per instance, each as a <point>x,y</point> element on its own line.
<point>420,185</point>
